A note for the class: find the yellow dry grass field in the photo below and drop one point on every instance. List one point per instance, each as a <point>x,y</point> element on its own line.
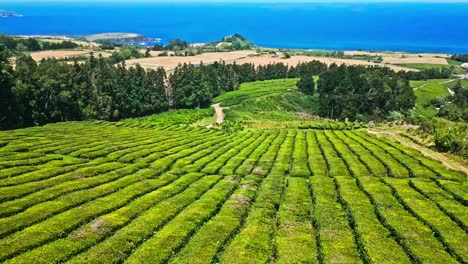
<point>240,57</point>
<point>58,54</point>
<point>405,58</point>
<point>156,53</point>
<point>294,60</point>
<point>395,54</point>
<point>62,54</point>
<point>419,60</point>
<point>171,62</point>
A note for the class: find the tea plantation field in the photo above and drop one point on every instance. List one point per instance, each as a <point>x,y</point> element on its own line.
<point>100,192</point>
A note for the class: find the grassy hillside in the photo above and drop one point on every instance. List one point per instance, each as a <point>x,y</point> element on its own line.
<point>426,91</point>
<point>236,42</point>
<point>254,90</point>
<point>275,104</point>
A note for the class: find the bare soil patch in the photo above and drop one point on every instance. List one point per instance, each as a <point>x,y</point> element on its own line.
<point>78,176</point>
<point>219,113</point>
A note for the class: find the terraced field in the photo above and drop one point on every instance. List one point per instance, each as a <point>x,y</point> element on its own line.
<point>94,192</point>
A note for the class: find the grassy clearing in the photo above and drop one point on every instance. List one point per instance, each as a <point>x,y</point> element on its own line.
<point>426,91</point>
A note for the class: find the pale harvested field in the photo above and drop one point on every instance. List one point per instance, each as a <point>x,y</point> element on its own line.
<point>156,53</point>
<point>267,59</point>
<point>171,62</point>
<point>58,54</point>
<point>241,57</point>
<point>62,54</point>
<point>425,60</point>
<point>403,58</point>
<point>395,54</point>
<point>360,52</point>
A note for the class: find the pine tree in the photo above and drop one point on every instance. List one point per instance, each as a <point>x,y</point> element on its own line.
<point>7,100</point>
<point>306,84</point>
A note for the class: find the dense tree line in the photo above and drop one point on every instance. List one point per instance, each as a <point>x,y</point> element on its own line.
<point>306,84</point>
<point>36,93</point>
<point>66,44</point>
<point>358,91</point>
<point>460,57</point>
<point>12,43</point>
<point>175,44</point>
<point>431,73</point>
<point>125,53</point>
<point>30,44</point>
<point>196,85</point>
<point>52,91</point>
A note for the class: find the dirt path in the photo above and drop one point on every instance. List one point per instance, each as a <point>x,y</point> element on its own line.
<point>447,161</point>
<point>420,86</point>
<point>449,81</point>
<point>449,90</point>
<point>219,113</point>
<point>452,93</point>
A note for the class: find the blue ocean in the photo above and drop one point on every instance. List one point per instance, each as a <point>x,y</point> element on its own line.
<point>411,27</point>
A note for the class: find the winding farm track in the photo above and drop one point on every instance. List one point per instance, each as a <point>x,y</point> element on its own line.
<point>421,86</point>
<point>219,113</point>
<point>92,192</point>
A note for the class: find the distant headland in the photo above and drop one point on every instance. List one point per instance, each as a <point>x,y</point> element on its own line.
<point>5,13</point>
<point>120,38</point>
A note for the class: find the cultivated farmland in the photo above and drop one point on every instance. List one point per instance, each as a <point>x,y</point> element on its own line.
<point>102,192</point>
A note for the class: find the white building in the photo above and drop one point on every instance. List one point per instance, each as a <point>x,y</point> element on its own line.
<point>465,66</point>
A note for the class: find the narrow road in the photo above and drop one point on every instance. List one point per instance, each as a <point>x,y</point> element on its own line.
<point>219,113</point>
<point>449,81</point>
<point>420,86</point>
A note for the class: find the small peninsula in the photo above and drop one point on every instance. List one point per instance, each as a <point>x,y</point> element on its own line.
<point>5,13</point>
